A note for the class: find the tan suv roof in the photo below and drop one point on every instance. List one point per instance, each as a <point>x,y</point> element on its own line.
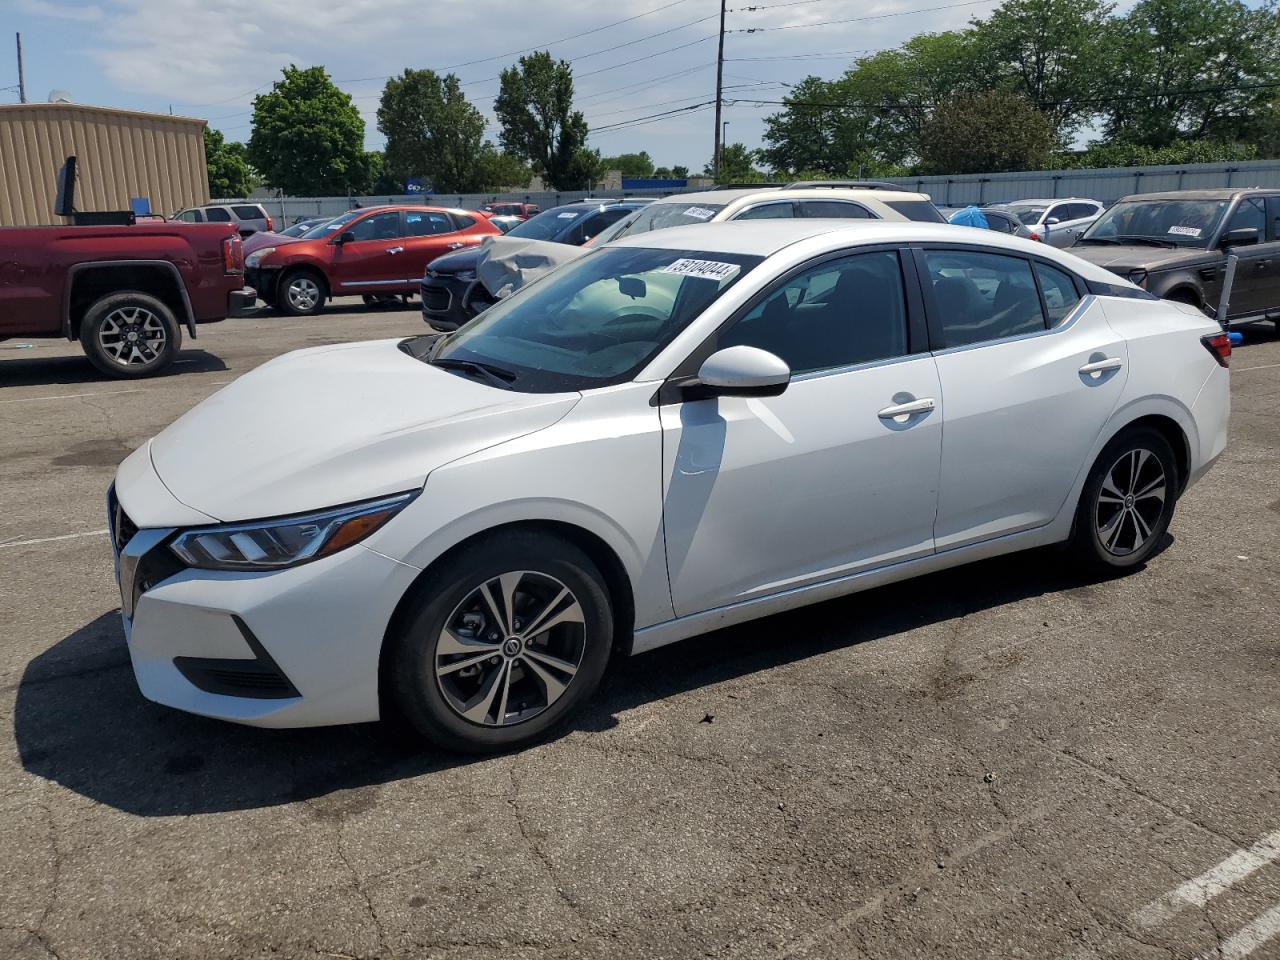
<point>735,200</point>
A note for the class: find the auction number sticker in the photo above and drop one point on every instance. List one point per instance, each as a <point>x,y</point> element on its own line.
<point>1186,231</point>
<point>700,213</point>
<point>702,269</point>
<point>566,216</point>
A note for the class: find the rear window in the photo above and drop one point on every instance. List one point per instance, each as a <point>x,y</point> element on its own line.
<point>548,225</point>
<point>217,215</point>
<point>921,210</point>
<point>249,213</point>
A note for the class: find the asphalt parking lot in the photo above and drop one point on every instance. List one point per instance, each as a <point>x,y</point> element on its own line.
<point>1003,761</point>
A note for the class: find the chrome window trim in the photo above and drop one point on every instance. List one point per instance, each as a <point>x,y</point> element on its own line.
<point>856,367</point>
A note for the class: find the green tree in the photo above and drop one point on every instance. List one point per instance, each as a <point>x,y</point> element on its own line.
<point>679,172</point>
<point>737,165</point>
<point>1122,154</point>
<point>1166,48</point>
<point>1051,53</point>
<point>986,132</point>
<point>631,164</point>
<point>308,136</point>
<point>499,170</point>
<point>432,130</point>
<point>535,108</point>
<point>228,163</point>
<point>378,179</point>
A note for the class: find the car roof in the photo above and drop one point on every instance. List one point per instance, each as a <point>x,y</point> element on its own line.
<point>726,197</point>
<point>766,237</point>
<point>1047,201</point>
<point>1221,193</point>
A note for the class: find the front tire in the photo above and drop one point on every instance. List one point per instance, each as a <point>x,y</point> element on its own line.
<point>301,293</point>
<point>130,335</point>
<point>503,646</point>
<point>1127,501</point>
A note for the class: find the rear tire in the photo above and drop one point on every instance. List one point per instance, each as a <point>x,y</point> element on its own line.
<point>301,293</point>
<point>130,335</point>
<point>470,670</point>
<point>1127,501</point>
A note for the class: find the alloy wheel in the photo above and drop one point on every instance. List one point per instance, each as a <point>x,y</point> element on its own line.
<point>1130,502</point>
<point>303,293</point>
<point>511,648</point>
<point>132,335</point>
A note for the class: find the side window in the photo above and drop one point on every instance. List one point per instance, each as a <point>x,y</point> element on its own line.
<point>216,215</point>
<point>378,226</point>
<point>1061,212</point>
<point>832,210</point>
<point>598,221</point>
<point>420,224</point>
<point>835,314</point>
<point>1082,211</point>
<point>781,210</point>
<point>248,212</point>
<point>983,296</point>
<point>1060,296</point>
<point>461,222</point>
<point>1000,224</point>
<point>1273,214</point>
<point>190,216</point>
<point>1250,213</point>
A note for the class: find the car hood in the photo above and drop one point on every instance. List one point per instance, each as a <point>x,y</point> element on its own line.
<point>457,262</point>
<point>1123,258</point>
<point>508,263</point>
<point>332,425</point>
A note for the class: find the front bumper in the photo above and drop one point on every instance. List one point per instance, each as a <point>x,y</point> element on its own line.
<point>286,648</point>
<point>442,302</point>
<point>263,280</point>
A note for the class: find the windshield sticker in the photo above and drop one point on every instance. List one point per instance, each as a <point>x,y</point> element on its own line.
<point>1186,231</point>
<point>566,216</point>
<point>700,213</point>
<point>703,269</point>
<point>333,226</point>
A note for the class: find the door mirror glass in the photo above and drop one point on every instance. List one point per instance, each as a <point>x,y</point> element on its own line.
<point>742,371</point>
<point>1240,236</point>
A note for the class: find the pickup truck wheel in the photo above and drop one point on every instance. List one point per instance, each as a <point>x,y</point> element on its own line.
<point>130,334</point>
<point>300,293</point>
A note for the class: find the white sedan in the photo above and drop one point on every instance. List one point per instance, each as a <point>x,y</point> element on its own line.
<point>744,418</point>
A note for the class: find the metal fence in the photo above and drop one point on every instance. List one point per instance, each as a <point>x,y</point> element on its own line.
<point>1107,185</point>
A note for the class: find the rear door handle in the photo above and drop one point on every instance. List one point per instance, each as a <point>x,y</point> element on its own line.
<point>923,405</point>
<point>455,245</point>
<point>395,250</point>
<point>1102,366</point>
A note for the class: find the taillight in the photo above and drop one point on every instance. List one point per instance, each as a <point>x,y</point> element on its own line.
<point>1219,344</point>
<point>1035,236</point>
<point>233,255</point>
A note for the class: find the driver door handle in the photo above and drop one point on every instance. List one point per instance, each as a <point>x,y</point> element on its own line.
<point>395,249</point>
<point>923,405</point>
<point>1102,366</point>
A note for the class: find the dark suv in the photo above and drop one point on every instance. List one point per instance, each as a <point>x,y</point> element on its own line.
<point>448,277</point>
<point>1175,245</point>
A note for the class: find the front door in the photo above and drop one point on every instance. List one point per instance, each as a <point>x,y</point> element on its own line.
<point>1256,285</point>
<point>372,261</point>
<point>1030,373</point>
<point>837,474</point>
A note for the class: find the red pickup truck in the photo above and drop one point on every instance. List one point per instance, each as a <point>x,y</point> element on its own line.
<point>122,291</point>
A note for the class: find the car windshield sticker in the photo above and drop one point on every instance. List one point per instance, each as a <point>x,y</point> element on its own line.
<point>700,213</point>
<point>570,215</point>
<point>334,226</point>
<point>702,269</point>
<point>1186,231</point>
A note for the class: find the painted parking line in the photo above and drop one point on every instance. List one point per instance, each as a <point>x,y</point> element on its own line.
<point>65,536</point>
<point>1261,366</point>
<point>1200,890</point>
<point>1248,938</point>
<point>72,396</point>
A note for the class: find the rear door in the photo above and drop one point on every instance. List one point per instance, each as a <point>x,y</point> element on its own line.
<point>372,261</point>
<point>427,234</point>
<point>1030,371</point>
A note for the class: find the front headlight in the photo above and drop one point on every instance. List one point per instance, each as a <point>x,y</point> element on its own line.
<point>255,258</point>
<point>1137,276</point>
<point>274,544</point>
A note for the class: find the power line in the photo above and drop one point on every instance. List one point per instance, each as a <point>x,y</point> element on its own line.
<point>637,121</point>
<point>835,54</point>
<point>878,16</point>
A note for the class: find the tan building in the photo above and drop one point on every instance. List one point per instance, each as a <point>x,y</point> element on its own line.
<point>120,154</point>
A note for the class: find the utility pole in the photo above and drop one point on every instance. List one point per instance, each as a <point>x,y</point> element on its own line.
<point>22,81</point>
<point>715,157</point>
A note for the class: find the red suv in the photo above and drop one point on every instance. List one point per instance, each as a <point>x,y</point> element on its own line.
<point>373,253</point>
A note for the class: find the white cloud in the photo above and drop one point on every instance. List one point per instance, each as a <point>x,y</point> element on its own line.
<point>60,11</point>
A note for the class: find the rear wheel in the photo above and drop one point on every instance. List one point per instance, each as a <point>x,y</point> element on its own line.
<point>130,334</point>
<point>503,646</point>
<point>300,293</point>
<point>1127,501</point>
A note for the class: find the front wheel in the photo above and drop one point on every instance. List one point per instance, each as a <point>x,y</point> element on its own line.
<point>130,334</point>
<point>300,293</point>
<point>503,646</point>
<point>1127,501</point>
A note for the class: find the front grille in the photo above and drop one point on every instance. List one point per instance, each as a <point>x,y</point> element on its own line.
<point>436,299</point>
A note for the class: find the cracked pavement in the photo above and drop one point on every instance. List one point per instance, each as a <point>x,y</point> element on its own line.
<point>1004,760</point>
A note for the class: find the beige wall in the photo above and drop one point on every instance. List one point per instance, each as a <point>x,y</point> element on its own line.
<point>120,154</point>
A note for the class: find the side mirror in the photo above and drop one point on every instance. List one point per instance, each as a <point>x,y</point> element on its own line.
<point>1239,237</point>
<point>632,287</point>
<point>346,236</point>
<point>1051,221</point>
<point>740,371</point>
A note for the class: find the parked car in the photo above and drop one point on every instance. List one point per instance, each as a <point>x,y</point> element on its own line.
<point>1176,244</point>
<point>446,281</point>
<point>461,531</point>
<point>1056,222</point>
<point>249,218</point>
<point>124,292</point>
<point>990,219</point>
<point>375,252</point>
<point>506,224</point>
<point>269,238</point>
<point>511,209</point>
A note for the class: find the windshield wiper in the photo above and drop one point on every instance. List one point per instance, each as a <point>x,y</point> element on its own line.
<point>493,375</point>
<point>1149,241</point>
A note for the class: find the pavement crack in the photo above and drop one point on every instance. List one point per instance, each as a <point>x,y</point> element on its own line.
<point>384,947</point>
<point>531,842</point>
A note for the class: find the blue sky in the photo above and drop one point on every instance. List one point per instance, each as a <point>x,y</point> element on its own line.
<point>205,58</point>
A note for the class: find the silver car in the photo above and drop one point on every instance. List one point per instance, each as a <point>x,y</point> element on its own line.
<point>1057,222</point>
<point>249,218</point>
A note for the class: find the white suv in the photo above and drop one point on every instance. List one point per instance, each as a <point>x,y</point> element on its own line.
<point>1055,222</point>
<point>249,218</point>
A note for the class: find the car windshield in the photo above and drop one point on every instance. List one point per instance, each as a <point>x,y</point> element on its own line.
<point>326,229</point>
<point>549,224</point>
<point>593,322</point>
<point>658,216</point>
<point>1175,222</point>
<point>1028,214</point>
<point>298,229</point>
